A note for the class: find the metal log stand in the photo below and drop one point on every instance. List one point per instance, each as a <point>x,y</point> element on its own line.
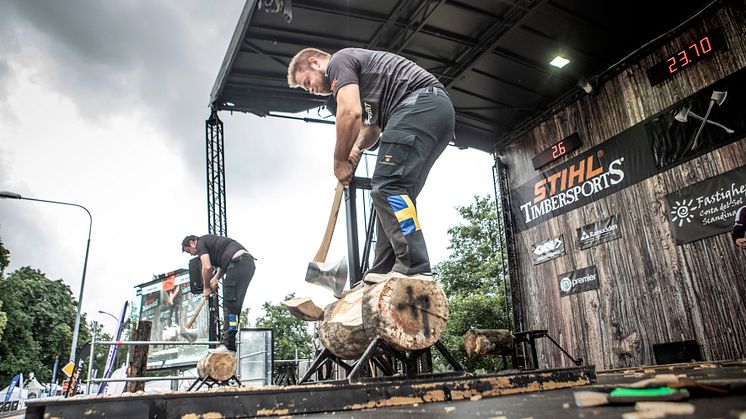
<point>211,382</point>
<point>530,336</point>
<point>382,356</point>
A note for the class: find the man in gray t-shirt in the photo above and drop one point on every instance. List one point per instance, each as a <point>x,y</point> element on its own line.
<point>380,94</point>
<point>235,265</point>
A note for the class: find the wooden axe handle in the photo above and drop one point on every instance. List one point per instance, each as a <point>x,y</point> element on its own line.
<point>196,313</point>
<point>324,248</point>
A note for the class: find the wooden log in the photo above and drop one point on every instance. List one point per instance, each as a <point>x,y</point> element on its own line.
<point>304,308</point>
<point>139,356</point>
<point>408,313</point>
<point>220,366</point>
<point>480,342</point>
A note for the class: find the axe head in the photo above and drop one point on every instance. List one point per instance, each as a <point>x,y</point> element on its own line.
<point>330,275</point>
<point>189,334</point>
<point>719,97</point>
<point>682,115</point>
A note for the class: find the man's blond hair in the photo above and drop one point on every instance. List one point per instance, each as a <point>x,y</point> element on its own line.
<point>300,63</point>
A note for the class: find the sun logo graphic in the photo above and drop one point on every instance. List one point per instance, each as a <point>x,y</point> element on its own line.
<point>683,211</point>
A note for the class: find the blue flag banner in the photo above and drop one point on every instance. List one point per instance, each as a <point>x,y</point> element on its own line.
<point>112,357</point>
<point>13,383</point>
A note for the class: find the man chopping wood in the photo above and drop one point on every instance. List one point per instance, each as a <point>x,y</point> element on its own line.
<point>233,263</point>
<point>380,94</point>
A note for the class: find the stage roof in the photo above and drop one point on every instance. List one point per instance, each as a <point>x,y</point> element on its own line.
<point>492,55</point>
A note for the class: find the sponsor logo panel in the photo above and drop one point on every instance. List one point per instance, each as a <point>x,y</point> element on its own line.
<point>599,232</point>
<point>575,282</point>
<point>707,208</point>
<point>548,250</point>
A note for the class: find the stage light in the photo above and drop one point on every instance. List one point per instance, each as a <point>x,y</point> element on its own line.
<point>559,61</point>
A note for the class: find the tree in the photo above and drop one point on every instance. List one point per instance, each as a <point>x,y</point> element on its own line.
<point>243,317</point>
<point>4,262</point>
<point>472,281</point>
<point>4,258</point>
<point>41,315</point>
<point>290,334</point>
<point>3,319</point>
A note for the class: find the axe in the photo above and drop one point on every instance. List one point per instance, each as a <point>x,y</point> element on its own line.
<point>187,331</point>
<point>717,97</point>
<point>329,275</point>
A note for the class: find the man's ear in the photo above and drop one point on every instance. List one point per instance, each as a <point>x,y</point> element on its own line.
<point>314,62</point>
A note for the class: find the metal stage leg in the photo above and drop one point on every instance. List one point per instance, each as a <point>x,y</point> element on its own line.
<point>323,357</point>
<point>448,356</point>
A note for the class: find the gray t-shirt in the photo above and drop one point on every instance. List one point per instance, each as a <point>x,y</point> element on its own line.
<point>384,80</point>
<point>221,249</point>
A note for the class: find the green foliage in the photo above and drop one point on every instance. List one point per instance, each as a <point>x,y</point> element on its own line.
<point>3,319</point>
<point>243,317</point>
<point>472,281</point>
<point>41,317</point>
<point>4,262</point>
<point>290,334</point>
<point>4,258</point>
<point>101,352</point>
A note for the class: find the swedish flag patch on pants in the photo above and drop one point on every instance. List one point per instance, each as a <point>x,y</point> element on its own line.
<point>405,213</point>
<point>232,322</point>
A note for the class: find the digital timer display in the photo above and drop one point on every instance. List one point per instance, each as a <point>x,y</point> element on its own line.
<point>556,151</point>
<point>695,51</point>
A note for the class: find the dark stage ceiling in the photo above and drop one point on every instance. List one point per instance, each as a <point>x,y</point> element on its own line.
<point>492,55</point>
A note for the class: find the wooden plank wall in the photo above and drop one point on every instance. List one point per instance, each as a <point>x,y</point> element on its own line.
<point>651,291</point>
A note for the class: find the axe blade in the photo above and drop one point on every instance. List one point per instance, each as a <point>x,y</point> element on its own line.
<point>330,275</point>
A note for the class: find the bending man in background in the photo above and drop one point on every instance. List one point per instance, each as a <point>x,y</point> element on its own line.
<point>237,266</point>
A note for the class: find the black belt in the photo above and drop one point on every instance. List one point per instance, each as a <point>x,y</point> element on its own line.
<point>427,90</point>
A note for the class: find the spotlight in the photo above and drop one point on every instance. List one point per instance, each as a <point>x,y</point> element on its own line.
<point>559,61</point>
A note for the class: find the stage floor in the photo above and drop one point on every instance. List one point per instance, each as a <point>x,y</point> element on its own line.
<point>526,394</point>
<point>560,404</point>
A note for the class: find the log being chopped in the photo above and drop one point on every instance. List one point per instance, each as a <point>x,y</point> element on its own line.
<point>408,313</point>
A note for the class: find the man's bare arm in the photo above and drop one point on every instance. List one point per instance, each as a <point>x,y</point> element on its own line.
<point>348,120</point>
<point>367,137</point>
<point>209,281</point>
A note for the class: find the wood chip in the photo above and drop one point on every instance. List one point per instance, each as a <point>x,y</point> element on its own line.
<point>643,415</point>
<point>667,408</point>
<point>449,409</point>
<point>565,405</point>
<point>475,398</point>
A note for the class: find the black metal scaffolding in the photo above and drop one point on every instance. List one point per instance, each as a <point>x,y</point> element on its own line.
<point>217,222</point>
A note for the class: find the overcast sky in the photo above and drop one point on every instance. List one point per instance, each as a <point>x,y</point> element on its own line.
<point>103,104</point>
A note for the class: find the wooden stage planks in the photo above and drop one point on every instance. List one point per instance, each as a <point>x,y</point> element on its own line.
<point>321,397</point>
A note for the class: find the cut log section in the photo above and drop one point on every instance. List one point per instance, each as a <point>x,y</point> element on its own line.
<point>304,308</point>
<point>219,366</point>
<point>480,342</point>
<point>407,313</point>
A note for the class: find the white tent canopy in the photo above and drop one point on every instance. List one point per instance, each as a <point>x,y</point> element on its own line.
<point>18,394</point>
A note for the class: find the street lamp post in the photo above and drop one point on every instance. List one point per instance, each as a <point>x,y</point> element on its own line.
<point>110,315</point>
<point>13,195</point>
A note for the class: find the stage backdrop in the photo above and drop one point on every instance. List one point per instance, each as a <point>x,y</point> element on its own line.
<point>644,148</point>
<point>166,301</point>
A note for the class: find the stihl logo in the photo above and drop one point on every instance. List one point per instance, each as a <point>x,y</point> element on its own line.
<point>566,178</point>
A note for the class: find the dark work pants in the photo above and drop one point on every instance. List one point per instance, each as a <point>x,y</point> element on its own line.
<point>236,282</point>
<point>418,131</point>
